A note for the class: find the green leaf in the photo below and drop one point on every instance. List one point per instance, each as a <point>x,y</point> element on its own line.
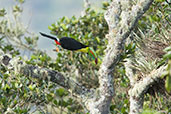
<point>8,47</point>
<point>1,76</point>
<point>34,57</point>
<point>61,92</point>
<point>168,84</point>
<point>55,102</point>
<point>21,1</point>
<point>6,86</point>
<point>167,49</point>
<point>2,12</point>
<point>168,55</point>
<point>63,103</point>
<point>105,4</point>
<point>49,97</point>
<point>64,26</point>
<point>159,0</point>
<point>156,18</point>
<point>98,39</point>
<point>17,9</point>
<point>32,87</point>
<point>150,111</point>
<point>4,100</point>
<point>29,40</point>
<point>15,102</point>
<point>112,107</point>
<point>16,85</point>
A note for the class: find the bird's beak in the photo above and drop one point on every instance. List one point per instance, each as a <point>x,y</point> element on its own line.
<point>51,37</point>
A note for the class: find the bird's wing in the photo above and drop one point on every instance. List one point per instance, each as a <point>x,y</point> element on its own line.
<point>71,44</point>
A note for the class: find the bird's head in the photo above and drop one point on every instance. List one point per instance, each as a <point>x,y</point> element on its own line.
<point>51,37</point>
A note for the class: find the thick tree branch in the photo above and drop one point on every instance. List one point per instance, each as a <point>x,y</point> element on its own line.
<point>139,89</point>
<point>121,17</point>
<point>130,71</point>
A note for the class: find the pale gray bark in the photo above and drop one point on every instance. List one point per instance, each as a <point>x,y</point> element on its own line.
<point>130,71</point>
<point>138,90</point>
<point>121,17</point>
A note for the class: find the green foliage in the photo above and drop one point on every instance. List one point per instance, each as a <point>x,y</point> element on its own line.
<point>129,50</point>
<point>155,26</point>
<point>17,9</point>
<point>90,30</point>
<point>39,58</point>
<point>64,101</point>
<point>19,93</point>
<point>156,18</point>
<point>2,12</point>
<point>8,89</point>
<point>8,48</point>
<point>149,111</point>
<point>159,103</point>
<point>21,1</point>
<point>61,92</point>
<point>105,5</point>
<point>167,73</point>
<point>13,30</point>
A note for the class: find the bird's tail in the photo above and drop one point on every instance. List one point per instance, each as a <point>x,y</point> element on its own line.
<point>92,53</point>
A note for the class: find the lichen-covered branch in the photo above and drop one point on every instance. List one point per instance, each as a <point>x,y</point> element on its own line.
<point>121,17</point>
<point>20,67</point>
<point>130,71</point>
<point>139,89</point>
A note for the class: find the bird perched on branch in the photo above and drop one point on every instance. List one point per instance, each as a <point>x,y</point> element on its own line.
<point>73,45</point>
